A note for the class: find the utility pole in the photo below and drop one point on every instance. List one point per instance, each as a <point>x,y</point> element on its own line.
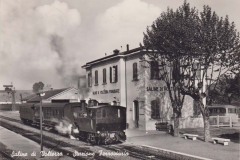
<point>41,94</point>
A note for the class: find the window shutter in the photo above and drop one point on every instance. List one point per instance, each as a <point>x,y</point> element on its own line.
<point>96,77</point>
<point>89,79</point>
<point>104,76</point>
<point>153,109</point>
<point>116,73</point>
<point>152,69</point>
<point>110,74</point>
<point>135,70</point>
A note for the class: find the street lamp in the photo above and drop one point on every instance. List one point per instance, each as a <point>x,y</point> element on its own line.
<point>41,94</point>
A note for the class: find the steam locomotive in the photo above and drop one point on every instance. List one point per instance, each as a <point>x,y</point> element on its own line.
<point>95,122</point>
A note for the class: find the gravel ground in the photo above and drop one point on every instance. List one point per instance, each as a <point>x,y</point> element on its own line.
<point>165,141</point>
<point>197,148</point>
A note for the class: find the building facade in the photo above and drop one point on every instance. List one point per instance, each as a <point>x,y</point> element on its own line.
<point>123,79</point>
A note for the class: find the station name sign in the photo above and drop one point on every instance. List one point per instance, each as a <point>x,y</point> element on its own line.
<point>157,88</point>
<point>106,91</point>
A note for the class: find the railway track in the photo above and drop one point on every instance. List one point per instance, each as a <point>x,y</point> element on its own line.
<point>68,149</point>
<point>5,155</point>
<point>135,152</point>
<point>54,144</point>
<point>11,119</point>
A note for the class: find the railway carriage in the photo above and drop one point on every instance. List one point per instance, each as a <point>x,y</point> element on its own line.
<point>27,113</point>
<point>96,122</point>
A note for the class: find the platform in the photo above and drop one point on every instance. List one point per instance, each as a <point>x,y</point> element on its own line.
<point>22,147</point>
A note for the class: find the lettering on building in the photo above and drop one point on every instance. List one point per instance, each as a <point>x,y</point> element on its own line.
<point>106,91</point>
<point>157,88</point>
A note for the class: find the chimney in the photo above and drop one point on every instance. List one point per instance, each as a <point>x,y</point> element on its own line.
<point>127,47</point>
<point>116,51</point>
<point>83,102</point>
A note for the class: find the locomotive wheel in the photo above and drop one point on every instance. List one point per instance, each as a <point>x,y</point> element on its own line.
<point>107,141</point>
<point>23,120</point>
<point>98,140</point>
<point>116,137</point>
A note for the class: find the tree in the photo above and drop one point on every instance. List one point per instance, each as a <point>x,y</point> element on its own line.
<point>169,38</point>
<point>225,91</point>
<point>38,86</point>
<point>198,47</point>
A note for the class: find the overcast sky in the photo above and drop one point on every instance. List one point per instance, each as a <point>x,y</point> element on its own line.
<point>49,40</point>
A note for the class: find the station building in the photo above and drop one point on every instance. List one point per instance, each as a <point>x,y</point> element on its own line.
<point>123,79</point>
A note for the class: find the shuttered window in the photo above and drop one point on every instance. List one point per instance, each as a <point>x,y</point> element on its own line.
<point>154,70</point>
<point>135,71</point>
<point>89,79</point>
<point>196,109</point>
<point>110,74</point>
<point>155,109</point>
<point>96,77</point>
<point>114,74</point>
<point>104,76</point>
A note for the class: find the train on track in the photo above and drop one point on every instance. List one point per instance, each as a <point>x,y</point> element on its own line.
<point>98,123</point>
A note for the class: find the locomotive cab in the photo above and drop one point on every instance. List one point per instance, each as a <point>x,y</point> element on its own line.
<point>103,123</point>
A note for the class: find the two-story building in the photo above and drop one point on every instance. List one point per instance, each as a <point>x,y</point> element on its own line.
<point>122,78</point>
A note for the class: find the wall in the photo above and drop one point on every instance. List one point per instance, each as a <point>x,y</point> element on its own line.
<point>144,90</point>
<point>188,120</point>
<point>134,93</point>
<point>103,92</point>
<point>157,88</point>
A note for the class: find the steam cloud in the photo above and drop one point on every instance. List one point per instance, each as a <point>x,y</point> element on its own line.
<point>50,43</point>
<point>36,42</point>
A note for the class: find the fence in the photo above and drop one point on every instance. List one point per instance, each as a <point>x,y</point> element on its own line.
<point>221,121</point>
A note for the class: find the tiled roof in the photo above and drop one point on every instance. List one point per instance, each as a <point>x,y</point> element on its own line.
<point>48,94</point>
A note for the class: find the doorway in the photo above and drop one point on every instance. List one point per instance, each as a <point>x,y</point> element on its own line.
<point>136,113</point>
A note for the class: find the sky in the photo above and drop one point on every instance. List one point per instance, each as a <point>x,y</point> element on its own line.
<point>49,40</point>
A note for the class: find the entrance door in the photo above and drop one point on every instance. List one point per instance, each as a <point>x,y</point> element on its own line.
<point>136,115</point>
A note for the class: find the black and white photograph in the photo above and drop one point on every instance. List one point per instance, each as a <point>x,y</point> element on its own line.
<point>119,80</point>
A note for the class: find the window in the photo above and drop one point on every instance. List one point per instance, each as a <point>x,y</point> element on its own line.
<point>231,110</point>
<point>104,76</point>
<point>96,77</point>
<point>89,79</point>
<point>135,72</point>
<point>155,109</point>
<point>119,114</point>
<point>104,113</point>
<point>113,74</point>
<point>98,114</point>
<point>196,109</point>
<point>154,70</point>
